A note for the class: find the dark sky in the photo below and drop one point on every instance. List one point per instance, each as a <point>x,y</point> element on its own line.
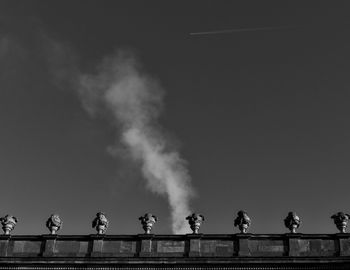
<point>262,117</point>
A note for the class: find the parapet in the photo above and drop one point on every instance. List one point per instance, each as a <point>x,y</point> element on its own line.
<point>209,246</point>
<point>194,251</point>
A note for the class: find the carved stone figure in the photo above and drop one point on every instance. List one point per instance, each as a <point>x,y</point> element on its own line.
<point>100,223</point>
<point>147,221</point>
<point>8,223</point>
<point>54,223</point>
<point>341,221</point>
<point>292,222</point>
<point>242,221</point>
<point>195,221</point>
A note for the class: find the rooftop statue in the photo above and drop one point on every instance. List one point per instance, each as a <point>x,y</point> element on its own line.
<point>54,223</point>
<point>341,221</point>
<point>8,223</point>
<point>147,221</point>
<point>292,222</point>
<point>195,221</point>
<point>100,223</point>
<point>242,221</point>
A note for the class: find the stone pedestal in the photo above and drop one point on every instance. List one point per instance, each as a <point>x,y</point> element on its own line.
<point>97,244</point>
<point>146,245</point>
<point>4,243</point>
<point>343,243</point>
<point>293,244</point>
<point>194,244</point>
<point>243,245</point>
<point>49,246</point>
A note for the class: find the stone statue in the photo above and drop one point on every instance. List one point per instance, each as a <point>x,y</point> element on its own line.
<point>8,223</point>
<point>242,221</point>
<point>100,223</point>
<point>195,221</point>
<point>147,221</point>
<point>341,221</point>
<point>292,222</point>
<point>54,223</point>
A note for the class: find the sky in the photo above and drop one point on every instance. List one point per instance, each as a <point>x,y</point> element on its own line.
<point>260,117</point>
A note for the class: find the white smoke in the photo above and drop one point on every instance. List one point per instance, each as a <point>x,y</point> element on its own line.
<point>135,100</point>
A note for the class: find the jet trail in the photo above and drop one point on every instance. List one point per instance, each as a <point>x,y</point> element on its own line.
<point>236,30</point>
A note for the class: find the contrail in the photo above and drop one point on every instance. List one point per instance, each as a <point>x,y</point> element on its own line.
<point>236,30</point>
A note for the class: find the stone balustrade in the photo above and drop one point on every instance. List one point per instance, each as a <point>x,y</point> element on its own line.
<point>195,251</point>
<point>181,246</point>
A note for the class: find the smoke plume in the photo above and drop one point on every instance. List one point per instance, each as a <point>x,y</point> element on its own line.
<point>134,100</point>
